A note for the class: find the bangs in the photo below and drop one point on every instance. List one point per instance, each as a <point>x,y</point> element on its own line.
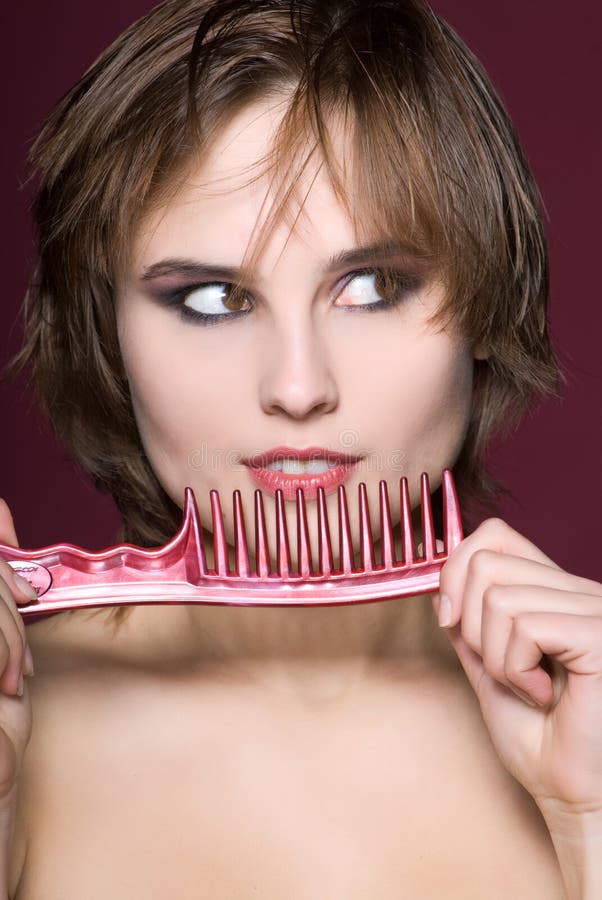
<point>376,170</point>
<point>313,140</point>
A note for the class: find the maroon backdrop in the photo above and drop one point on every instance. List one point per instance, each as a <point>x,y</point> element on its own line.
<point>546,64</point>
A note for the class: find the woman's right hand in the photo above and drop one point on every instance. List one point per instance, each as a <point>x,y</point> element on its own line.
<point>15,662</point>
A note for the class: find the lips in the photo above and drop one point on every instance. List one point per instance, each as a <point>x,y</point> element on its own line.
<point>261,460</point>
<point>271,481</point>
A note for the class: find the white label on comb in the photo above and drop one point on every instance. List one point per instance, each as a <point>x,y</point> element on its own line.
<point>38,576</point>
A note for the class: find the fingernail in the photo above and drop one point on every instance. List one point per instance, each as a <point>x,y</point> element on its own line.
<point>28,661</point>
<point>444,611</point>
<point>20,686</point>
<point>25,587</point>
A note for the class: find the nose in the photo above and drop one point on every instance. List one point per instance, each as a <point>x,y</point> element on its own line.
<point>297,380</point>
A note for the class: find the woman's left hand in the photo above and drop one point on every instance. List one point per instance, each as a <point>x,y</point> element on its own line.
<point>523,627</point>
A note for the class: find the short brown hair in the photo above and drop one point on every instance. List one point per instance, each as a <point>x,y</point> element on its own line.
<point>437,163</point>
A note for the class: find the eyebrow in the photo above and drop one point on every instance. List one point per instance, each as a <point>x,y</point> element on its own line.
<point>189,268</point>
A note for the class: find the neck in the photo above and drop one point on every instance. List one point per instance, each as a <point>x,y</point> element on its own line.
<point>324,649</point>
<point>313,653</point>
<point>319,649</point>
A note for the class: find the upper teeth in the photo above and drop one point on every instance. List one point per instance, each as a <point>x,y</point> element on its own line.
<point>297,467</point>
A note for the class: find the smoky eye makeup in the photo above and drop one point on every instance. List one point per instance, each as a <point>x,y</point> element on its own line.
<point>211,294</point>
<point>368,289</point>
<point>377,288</point>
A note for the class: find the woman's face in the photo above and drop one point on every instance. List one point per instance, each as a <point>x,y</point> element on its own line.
<point>299,360</point>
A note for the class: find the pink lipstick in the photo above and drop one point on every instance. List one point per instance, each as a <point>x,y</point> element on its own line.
<point>288,468</point>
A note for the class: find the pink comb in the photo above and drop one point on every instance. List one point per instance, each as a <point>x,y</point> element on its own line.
<point>67,577</point>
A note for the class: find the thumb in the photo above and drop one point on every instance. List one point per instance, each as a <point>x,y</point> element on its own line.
<point>8,535</point>
<point>23,590</point>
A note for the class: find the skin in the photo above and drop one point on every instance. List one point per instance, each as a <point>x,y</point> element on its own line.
<point>388,386</point>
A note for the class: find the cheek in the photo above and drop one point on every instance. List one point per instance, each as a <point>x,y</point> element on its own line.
<point>443,395</point>
<point>424,393</point>
<point>173,390</point>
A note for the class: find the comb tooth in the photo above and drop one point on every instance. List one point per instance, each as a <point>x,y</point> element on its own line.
<point>366,542</point>
<point>386,528</point>
<point>283,555</point>
<point>241,552</point>
<point>452,521</point>
<point>407,533</point>
<point>325,566</point>
<point>345,541</point>
<point>220,547</point>
<point>304,563</point>
<point>194,549</point>
<point>262,551</point>
<point>428,528</point>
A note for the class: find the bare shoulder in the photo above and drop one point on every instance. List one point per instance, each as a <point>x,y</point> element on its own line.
<point>402,786</point>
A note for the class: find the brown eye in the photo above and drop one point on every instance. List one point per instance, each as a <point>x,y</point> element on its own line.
<point>235,298</point>
<point>211,299</point>
<point>386,284</point>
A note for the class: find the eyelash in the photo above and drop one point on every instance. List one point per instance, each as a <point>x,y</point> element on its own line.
<point>405,283</point>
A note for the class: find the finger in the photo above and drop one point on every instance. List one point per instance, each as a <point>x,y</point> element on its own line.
<point>8,535</point>
<point>494,535</point>
<point>21,589</point>
<point>12,647</point>
<point>9,600</point>
<point>16,591</point>
<point>574,641</point>
<point>502,604</point>
<point>475,670</point>
<point>487,568</point>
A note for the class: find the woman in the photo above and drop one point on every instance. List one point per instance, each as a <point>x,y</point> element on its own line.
<point>292,225</point>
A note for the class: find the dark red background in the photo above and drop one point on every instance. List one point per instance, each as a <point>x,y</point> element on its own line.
<point>544,58</point>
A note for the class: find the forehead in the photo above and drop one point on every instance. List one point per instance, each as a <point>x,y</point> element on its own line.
<point>226,198</point>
